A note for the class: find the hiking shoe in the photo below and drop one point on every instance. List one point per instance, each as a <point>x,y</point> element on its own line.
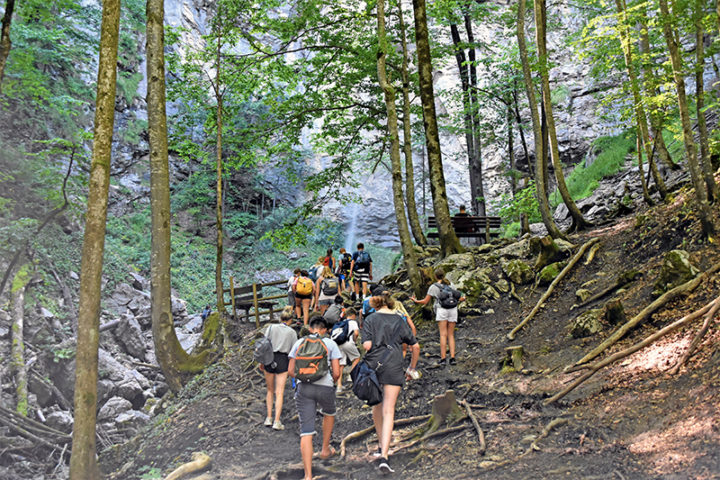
<point>441,361</point>
<point>353,296</point>
<point>452,361</point>
<point>383,464</point>
<point>339,389</point>
<point>277,425</point>
<point>377,453</point>
<point>268,422</point>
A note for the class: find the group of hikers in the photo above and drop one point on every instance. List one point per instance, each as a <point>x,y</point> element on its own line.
<point>315,361</point>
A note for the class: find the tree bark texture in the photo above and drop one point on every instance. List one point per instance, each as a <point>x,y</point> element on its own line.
<point>701,194</point>
<point>415,225</point>
<point>449,242</point>
<point>641,171</point>
<point>17,347</point>
<point>5,43</point>
<point>640,117</point>
<point>540,171</point>
<point>83,463</point>
<point>219,188</point>
<point>579,221</point>
<point>700,102</point>
<point>409,255</point>
<point>478,192</point>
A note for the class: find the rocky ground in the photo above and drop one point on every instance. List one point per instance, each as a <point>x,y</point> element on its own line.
<point>631,420</point>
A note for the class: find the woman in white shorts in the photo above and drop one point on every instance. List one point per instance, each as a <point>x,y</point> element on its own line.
<point>446,318</point>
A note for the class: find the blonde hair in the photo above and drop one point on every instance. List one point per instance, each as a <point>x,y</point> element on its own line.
<point>287,313</point>
<point>327,272</point>
<point>384,300</point>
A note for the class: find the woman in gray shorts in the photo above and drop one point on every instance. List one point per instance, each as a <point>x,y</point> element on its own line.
<point>383,334</point>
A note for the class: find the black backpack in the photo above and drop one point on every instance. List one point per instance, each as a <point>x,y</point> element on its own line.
<point>365,384</point>
<point>448,296</point>
<point>340,332</point>
<point>346,261</point>
<point>330,286</point>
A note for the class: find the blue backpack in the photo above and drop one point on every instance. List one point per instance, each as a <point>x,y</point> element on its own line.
<point>340,332</point>
<point>365,384</point>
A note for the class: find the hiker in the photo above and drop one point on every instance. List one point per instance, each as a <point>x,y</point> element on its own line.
<point>382,334</point>
<point>343,270</point>
<point>445,317</point>
<point>379,290</point>
<point>291,283</point>
<point>303,290</point>
<point>462,212</point>
<point>311,394</point>
<point>206,313</point>
<point>329,261</point>
<point>315,271</point>
<point>327,286</point>
<point>282,338</point>
<point>361,270</point>
<point>345,334</point>
<point>335,312</point>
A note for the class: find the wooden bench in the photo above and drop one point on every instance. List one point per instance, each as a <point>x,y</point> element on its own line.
<point>471,227</point>
<point>245,300</point>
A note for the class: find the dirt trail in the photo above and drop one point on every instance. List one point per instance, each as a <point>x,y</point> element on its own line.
<point>630,421</point>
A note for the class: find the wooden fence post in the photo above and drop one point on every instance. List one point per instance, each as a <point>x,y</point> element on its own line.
<point>255,304</point>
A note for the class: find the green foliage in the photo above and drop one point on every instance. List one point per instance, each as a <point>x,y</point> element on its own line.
<point>60,354</point>
<point>510,207</point>
<point>611,154</point>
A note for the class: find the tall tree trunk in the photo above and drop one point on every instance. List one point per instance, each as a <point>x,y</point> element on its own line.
<point>650,86</point>
<point>701,194</point>
<point>83,463</point>
<point>219,185</point>
<point>173,360</point>
<point>5,43</point>
<point>641,172</point>
<point>521,130</point>
<point>409,254</point>
<point>478,193</point>
<point>641,119</point>
<point>415,225</point>
<point>700,102</point>
<point>449,242</point>
<point>579,221</point>
<point>17,348</point>
<point>540,171</point>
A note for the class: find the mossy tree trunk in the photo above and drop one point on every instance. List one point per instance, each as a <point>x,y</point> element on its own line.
<point>409,254</point>
<point>477,190</point>
<point>17,348</point>
<point>413,217</point>
<point>640,117</point>
<point>449,242</point>
<point>701,193</point>
<point>173,360</point>
<point>540,160</point>
<point>219,183</point>
<point>5,43</point>
<point>579,221</point>
<point>83,462</point>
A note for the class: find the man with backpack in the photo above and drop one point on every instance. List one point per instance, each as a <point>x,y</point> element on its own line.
<point>343,269</point>
<point>361,270</point>
<point>315,364</point>
<point>446,312</point>
<point>345,333</point>
<point>335,311</point>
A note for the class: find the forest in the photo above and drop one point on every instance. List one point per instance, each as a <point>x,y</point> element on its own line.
<point>160,159</point>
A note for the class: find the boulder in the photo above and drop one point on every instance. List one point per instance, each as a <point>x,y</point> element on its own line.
<point>548,274</point>
<point>502,286</point>
<point>519,249</point>
<point>138,302</point>
<point>4,332</point>
<point>458,261</point>
<point>587,323</point>
<point>42,391</point>
<point>561,212</point>
<point>676,270</point>
<point>127,382</point>
<point>474,284</point>
<point>113,408</point>
<point>60,420</point>
<point>129,335</point>
<point>138,281</point>
<point>143,317</point>
<point>131,421</point>
<point>517,271</point>
<point>121,297</point>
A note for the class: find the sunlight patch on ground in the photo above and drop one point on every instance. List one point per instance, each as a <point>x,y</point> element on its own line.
<point>660,355</point>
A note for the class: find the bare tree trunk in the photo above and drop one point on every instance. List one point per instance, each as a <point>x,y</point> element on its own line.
<point>478,193</point>
<point>643,183</point>
<point>701,194</point>
<point>579,221</point>
<point>411,262</point>
<point>700,102</point>
<point>5,43</point>
<point>83,462</point>
<point>540,172</point>
<point>17,349</point>
<point>220,303</point>
<point>449,242</point>
<point>415,225</point>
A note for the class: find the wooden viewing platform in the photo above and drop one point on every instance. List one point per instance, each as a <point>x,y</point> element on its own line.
<point>471,227</point>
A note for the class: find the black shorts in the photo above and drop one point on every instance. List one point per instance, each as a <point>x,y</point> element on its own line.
<point>390,374</point>
<point>302,297</point>
<point>281,363</point>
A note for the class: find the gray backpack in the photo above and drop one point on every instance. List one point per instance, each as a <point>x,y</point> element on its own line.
<point>264,351</point>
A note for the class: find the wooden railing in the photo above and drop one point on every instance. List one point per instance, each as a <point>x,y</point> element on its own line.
<point>250,297</point>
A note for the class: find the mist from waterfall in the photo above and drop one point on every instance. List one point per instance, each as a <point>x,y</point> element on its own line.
<point>351,228</point>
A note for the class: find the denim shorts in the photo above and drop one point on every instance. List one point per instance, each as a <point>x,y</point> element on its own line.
<point>308,397</point>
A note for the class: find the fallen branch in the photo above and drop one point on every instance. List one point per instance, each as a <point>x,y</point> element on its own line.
<point>30,436</point>
<point>620,281</point>
<point>545,432</point>
<point>200,461</point>
<point>676,292</point>
<point>481,435</point>
<point>551,288</point>
<point>698,338</point>
<point>629,351</point>
<point>362,433</point>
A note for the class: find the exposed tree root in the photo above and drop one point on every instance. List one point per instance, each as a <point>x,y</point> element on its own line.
<point>622,280</point>
<point>551,288</point>
<point>698,338</point>
<point>676,292</point>
<point>629,351</point>
<point>428,436</point>
<point>591,254</point>
<point>514,294</point>
<point>366,431</point>
<point>200,461</point>
<point>545,432</point>
<point>481,435</point>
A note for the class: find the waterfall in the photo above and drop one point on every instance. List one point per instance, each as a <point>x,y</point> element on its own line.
<point>351,228</point>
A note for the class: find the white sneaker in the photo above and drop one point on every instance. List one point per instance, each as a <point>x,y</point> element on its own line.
<point>339,389</point>
<point>277,425</point>
<point>268,421</point>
